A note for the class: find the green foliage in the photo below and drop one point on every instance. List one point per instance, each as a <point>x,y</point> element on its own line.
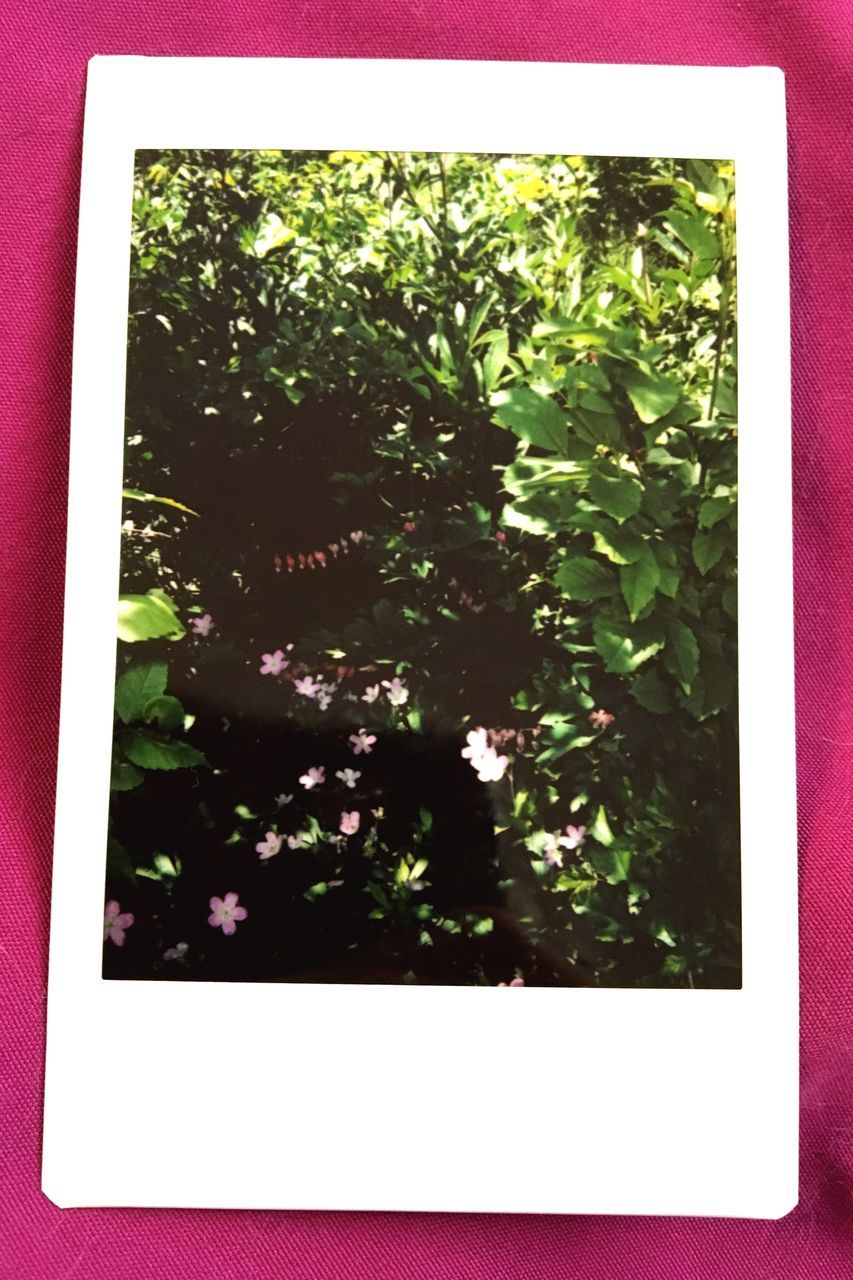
<point>530,362</point>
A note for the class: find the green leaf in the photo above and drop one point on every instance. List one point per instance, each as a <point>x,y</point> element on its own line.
<point>583,579</point>
<point>681,655</point>
<point>670,574</point>
<point>600,828</point>
<point>137,687</point>
<point>612,863</point>
<point>494,361</point>
<point>139,495</point>
<point>124,776</point>
<point>149,617</point>
<point>651,395</point>
<point>152,753</point>
<point>693,232</point>
<point>619,496</point>
<point>713,510</point>
<point>532,417</point>
<point>708,547</point>
<point>639,582</point>
<point>620,545</point>
<point>166,712</point>
<point>625,647</point>
<point>650,691</point>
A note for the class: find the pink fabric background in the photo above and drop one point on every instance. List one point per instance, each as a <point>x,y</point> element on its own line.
<point>46,44</point>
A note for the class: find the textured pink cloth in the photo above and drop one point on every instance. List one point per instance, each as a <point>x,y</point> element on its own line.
<point>46,46</point>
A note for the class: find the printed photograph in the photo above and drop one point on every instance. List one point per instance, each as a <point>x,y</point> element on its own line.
<point>427,618</point>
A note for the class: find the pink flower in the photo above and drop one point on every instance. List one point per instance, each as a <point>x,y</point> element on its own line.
<point>202,626</point>
<point>295,842</point>
<point>350,822</point>
<point>270,846</point>
<point>409,526</point>
<point>307,686</point>
<point>600,719</point>
<point>396,691</point>
<point>314,777</point>
<point>514,982</point>
<point>362,741</point>
<point>500,536</point>
<point>272,664</point>
<point>552,853</point>
<point>357,536</point>
<point>224,913</point>
<point>115,923</point>
<point>371,693</point>
<point>334,548</point>
<point>320,557</point>
<point>573,839</point>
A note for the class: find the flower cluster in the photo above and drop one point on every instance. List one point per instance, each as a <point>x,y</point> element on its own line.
<point>556,843</point>
<point>484,758</point>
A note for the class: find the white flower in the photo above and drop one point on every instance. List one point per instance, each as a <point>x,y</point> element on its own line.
<point>371,693</point>
<point>349,777</point>
<point>314,777</point>
<point>396,691</point>
<point>307,686</point>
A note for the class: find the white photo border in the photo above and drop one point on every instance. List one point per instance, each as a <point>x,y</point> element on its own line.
<point>536,1100</point>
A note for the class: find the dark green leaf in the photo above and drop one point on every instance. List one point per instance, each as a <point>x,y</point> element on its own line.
<point>580,578</point>
<point>639,582</point>
<point>681,655</point>
<point>152,753</point>
<point>136,688</point>
<point>619,496</point>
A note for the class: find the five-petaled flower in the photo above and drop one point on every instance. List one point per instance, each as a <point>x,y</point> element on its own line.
<point>307,686</point>
<point>349,777</point>
<point>313,777</point>
<point>395,691</point>
<point>272,664</point>
<point>362,741</point>
<point>115,923</point>
<point>202,626</point>
<point>269,846</point>
<point>350,822</point>
<point>573,839</point>
<point>225,912</point>
<point>600,719</point>
<point>371,693</point>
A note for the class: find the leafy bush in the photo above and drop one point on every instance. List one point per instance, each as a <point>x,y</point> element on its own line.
<point>448,445</point>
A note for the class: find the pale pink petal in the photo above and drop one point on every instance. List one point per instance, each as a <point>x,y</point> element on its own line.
<point>240,913</point>
<point>228,927</point>
<point>230,900</point>
<point>213,920</point>
<point>216,904</point>
<point>112,910</point>
<point>117,936</point>
<point>125,920</point>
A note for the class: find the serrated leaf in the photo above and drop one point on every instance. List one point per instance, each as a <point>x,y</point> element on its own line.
<point>681,655</point>
<point>651,692</point>
<point>652,396</point>
<point>619,545</point>
<point>708,547</point>
<point>580,578</point>
<point>152,753</point>
<point>137,687</point>
<point>619,496</point>
<point>639,582</point>
<point>625,646</point>
<point>532,417</point>
<point>166,712</point>
<point>149,617</point>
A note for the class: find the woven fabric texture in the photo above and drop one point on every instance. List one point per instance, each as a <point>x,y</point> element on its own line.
<point>46,44</point>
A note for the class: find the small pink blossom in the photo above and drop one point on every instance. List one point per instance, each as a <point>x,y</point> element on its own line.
<point>307,686</point>
<point>202,626</point>
<point>600,719</point>
<point>320,557</point>
<point>334,548</point>
<point>115,923</point>
<point>296,842</point>
<point>224,913</point>
<point>573,839</point>
<point>269,846</point>
<point>552,853</point>
<point>514,982</point>
<point>272,664</point>
<point>350,822</point>
<point>395,691</point>
<point>409,526</point>
<point>362,741</point>
<point>356,536</point>
<point>500,536</point>
<point>371,693</point>
<point>313,777</point>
